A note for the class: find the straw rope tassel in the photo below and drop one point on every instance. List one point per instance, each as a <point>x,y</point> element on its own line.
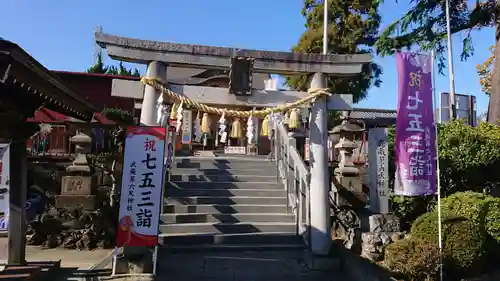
<point>265,130</point>
<point>293,120</point>
<point>173,111</point>
<point>205,124</point>
<point>236,132</point>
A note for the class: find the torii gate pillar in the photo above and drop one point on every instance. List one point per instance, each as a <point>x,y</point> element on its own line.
<point>319,184</point>
<point>149,111</point>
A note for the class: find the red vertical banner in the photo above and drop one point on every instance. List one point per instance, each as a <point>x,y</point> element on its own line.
<point>141,191</point>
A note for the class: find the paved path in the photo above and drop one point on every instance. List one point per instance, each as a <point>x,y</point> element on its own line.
<point>69,258</point>
<point>241,266</point>
<point>72,261</point>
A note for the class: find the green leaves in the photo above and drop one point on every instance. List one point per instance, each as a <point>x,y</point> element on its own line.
<point>469,156</point>
<point>121,70</point>
<point>118,115</point>
<point>464,241</point>
<point>351,25</point>
<point>424,25</point>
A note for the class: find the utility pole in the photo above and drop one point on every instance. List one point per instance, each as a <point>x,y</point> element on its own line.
<point>451,74</point>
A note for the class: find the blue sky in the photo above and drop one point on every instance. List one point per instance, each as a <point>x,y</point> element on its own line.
<point>59,33</point>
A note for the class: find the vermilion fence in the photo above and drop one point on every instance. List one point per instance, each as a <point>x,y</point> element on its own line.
<point>56,142</point>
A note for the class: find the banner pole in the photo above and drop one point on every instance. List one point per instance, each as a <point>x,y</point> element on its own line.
<point>438,171</point>
<point>115,256</point>
<point>155,260</point>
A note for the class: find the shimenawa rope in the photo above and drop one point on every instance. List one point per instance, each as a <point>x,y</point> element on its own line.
<point>175,97</point>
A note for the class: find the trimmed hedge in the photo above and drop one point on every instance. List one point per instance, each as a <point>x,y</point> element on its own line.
<point>464,242</point>
<point>479,208</point>
<point>413,259</point>
<point>417,258</point>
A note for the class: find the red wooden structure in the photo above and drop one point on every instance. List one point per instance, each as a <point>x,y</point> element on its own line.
<point>96,88</point>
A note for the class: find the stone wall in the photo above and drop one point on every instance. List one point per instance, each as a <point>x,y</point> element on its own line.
<point>384,229</point>
<point>356,268</point>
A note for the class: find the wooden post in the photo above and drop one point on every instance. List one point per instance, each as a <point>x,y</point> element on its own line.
<point>17,201</point>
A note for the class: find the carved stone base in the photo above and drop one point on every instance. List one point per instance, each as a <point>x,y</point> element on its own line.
<point>87,202</point>
<point>77,185</point>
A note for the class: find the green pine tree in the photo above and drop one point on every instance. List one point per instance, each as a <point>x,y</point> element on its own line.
<point>350,23</point>
<point>99,67</point>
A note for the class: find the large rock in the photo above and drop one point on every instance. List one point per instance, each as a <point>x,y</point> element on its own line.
<point>384,223</point>
<point>372,244</point>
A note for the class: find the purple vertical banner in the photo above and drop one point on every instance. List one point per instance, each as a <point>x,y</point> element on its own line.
<point>415,140</point>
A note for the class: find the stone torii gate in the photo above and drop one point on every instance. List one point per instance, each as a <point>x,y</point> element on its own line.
<point>242,63</point>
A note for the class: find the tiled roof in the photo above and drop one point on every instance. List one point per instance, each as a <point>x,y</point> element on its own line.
<point>372,114</point>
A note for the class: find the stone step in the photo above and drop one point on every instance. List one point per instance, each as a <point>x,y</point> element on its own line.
<point>189,239</point>
<point>222,178</point>
<point>226,218</point>
<point>223,164</point>
<point>175,192</point>
<point>227,228</point>
<point>234,158</point>
<point>215,200</point>
<point>225,185</point>
<point>31,271</point>
<point>210,248</point>
<point>225,209</point>
<point>239,172</point>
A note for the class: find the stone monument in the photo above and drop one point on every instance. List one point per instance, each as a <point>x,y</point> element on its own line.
<point>378,163</point>
<point>77,185</point>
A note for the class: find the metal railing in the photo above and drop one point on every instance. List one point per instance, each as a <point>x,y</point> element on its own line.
<point>295,176</point>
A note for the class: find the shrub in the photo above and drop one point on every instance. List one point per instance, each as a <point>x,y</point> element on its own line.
<point>469,156</point>
<point>479,208</point>
<point>493,218</point>
<point>413,259</point>
<point>409,208</point>
<point>464,242</point>
<point>469,205</point>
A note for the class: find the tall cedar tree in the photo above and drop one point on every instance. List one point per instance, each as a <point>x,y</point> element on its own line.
<point>424,24</point>
<point>350,23</point>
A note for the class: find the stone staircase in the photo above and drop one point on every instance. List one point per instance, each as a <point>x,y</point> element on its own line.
<point>226,202</point>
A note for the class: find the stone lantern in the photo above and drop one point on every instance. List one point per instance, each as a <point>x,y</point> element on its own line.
<point>82,144</point>
<point>77,184</point>
<point>347,174</point>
